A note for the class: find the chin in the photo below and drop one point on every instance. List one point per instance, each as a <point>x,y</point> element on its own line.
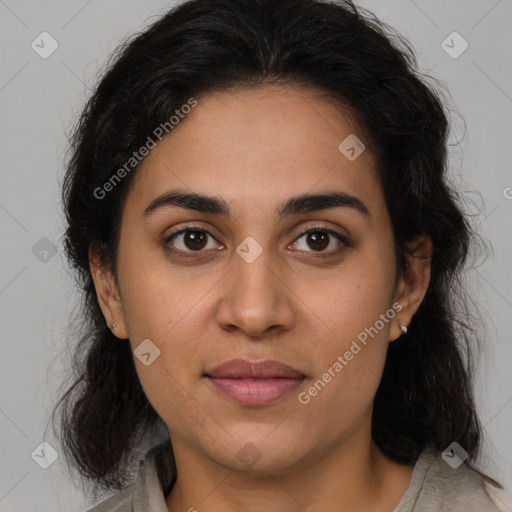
<point>259,453</point>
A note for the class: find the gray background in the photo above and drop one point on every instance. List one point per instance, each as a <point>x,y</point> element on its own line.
<point>39,99</point>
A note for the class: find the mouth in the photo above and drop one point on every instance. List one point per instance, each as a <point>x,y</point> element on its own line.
<point>253,391</point>
<point>254,384</point>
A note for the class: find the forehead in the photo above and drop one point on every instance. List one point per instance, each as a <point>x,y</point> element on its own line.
<point>257,146</point>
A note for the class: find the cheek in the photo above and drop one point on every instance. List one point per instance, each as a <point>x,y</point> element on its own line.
<point>356,316</point>
<point>172,315</point>
<point>175,325</point>
<point>350,366</point>
<point>157,298</point>
<point>351,299</point>
<point>172,396</point>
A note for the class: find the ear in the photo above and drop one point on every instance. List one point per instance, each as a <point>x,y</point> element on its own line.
<point>413,285</point>
<point>107,294</point>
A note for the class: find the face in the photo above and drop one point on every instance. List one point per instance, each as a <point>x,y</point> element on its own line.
<point>238,278</point>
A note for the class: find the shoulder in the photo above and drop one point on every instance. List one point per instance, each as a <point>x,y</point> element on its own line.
<point>121,502</point>
<point>435,485</point>
<point>144,494</point>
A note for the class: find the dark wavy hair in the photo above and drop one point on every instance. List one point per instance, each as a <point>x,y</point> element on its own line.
<point>425,398</point>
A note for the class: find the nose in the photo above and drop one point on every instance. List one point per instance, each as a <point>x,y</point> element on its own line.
<point>256,298</point>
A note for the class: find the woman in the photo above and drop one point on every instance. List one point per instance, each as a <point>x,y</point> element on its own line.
<point>259,215</point>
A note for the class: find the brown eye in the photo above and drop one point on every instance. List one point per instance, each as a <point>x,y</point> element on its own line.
<point>320,239</point>
<point>317,240</point>
<point>194,239</point>
<point>190,240</point>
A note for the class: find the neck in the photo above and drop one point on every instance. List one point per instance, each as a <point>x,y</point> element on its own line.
<point>354,475</point>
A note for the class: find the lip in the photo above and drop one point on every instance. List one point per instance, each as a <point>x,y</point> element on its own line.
<point>242,369</point>
<point>252,384</point>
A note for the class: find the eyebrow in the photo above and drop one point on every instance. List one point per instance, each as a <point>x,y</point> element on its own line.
<point>217,206</point>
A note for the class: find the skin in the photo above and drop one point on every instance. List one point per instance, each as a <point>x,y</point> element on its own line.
<point>255,148</point>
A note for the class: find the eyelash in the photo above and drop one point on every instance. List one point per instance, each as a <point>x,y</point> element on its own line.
<point>345,242</point>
